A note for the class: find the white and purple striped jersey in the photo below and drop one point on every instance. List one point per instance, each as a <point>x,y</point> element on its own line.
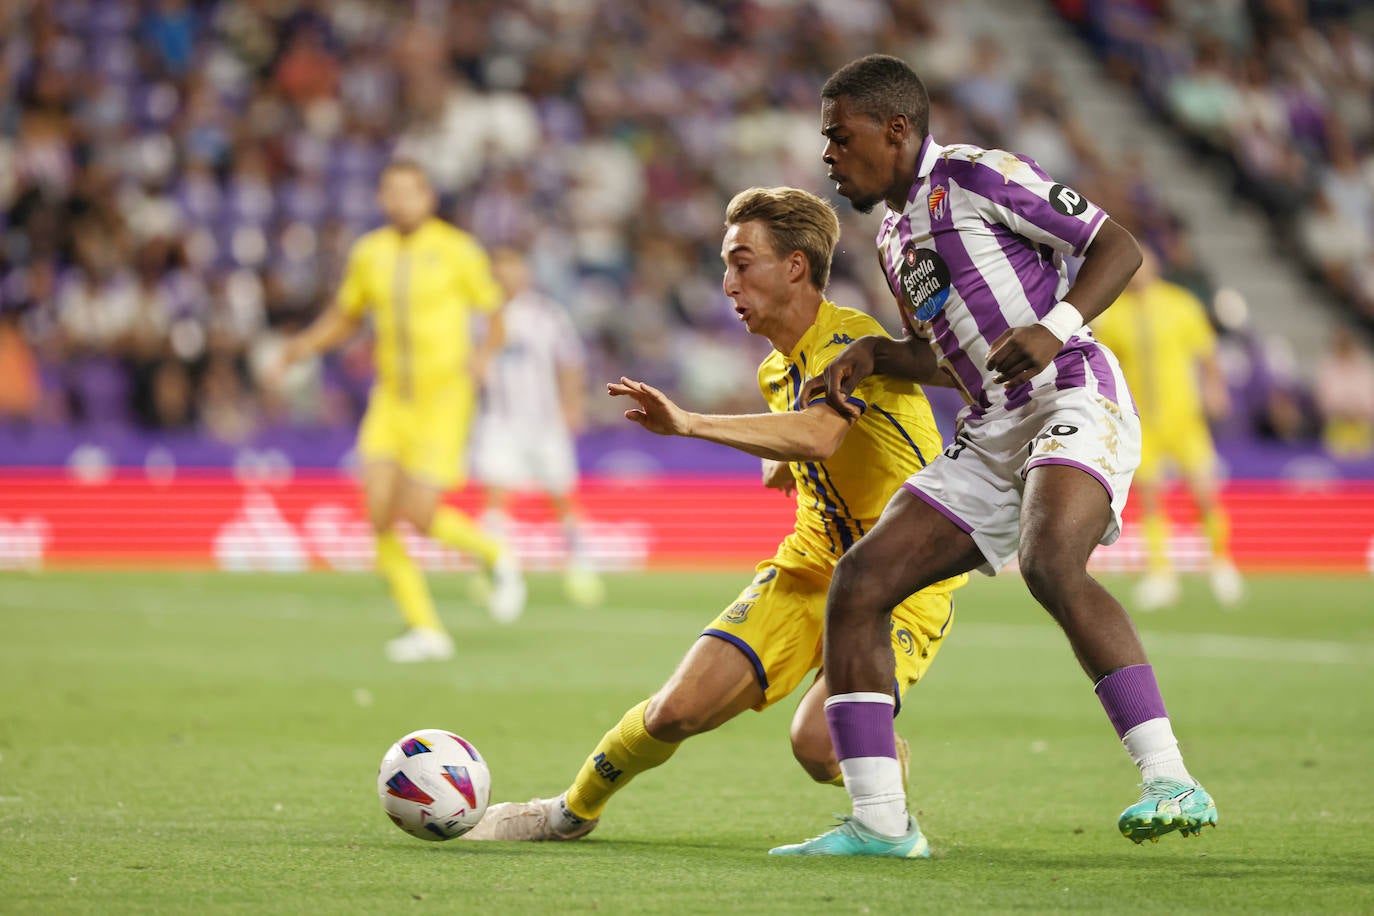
<point>522,386</point>
<point>980,249</point>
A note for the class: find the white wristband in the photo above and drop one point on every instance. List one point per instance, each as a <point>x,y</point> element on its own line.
<point>1063,321</point>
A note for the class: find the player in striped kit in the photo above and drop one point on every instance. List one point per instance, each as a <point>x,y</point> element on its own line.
<point>973,246</point>
<point>532,406</point>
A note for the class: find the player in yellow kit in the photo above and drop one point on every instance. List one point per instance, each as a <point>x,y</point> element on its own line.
<point>1160,333</point>
<point>777,250</point>
<point>421,280</point>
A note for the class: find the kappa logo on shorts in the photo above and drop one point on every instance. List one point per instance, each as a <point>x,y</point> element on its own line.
<point>925,281</point>
<point>1067,201</point>
<point>738,612</point>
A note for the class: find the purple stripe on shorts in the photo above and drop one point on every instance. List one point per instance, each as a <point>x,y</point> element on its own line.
<point>935,504</point>
<point>1069,462</point>
<point>861,729</point>
<point>1130,696</point>
<point>1101,369</point>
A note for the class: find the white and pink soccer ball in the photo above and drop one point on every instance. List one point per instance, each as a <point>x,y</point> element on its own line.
<point>434,785</point>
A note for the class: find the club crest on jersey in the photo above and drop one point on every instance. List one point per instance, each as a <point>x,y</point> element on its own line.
<point>924,280</point>
<point>937,202</point>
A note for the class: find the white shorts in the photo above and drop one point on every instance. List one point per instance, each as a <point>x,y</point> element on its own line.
<point>518,457</point>
<point>977,483</point>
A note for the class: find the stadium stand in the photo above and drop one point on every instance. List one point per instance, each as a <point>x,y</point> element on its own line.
<point>179,182</point>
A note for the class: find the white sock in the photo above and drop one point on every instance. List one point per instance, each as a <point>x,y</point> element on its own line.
<point>875,785</point>
<point>1154,749</point>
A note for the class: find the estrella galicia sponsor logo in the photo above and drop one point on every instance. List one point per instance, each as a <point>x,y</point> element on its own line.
<point>1067,201</point>
<point>738,612</point>
<point>925,281</point>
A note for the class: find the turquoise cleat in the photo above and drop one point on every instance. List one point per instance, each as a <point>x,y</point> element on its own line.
<point>1166,805</point>
<point>852,838</point>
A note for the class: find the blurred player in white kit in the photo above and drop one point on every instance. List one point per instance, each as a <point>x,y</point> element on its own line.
<point>532,408</point>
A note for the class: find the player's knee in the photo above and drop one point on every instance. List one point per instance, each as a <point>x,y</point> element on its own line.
<point>1047,572</point>
<point>672,716</point>
<point>858,586</point>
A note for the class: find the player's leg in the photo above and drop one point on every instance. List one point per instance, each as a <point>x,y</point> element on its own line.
<point>580,582</point>
<point>919,627</point>
<point>1064,514</point>
<point>811,745</point>
<point>913,545</point>
<point>1198,465</point>
<point>425,639</point>
<point>439,465</point>
<point>1160,587</point>
<point>714,683</point>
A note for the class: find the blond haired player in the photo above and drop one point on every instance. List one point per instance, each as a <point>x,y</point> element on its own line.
<point>422,280</point>
<point>1160,333</point>
<point>777,251</point>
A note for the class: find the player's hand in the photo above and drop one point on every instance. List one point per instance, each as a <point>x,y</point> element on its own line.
<point>1020,354</point>
<point>274,378</point>
<point>839,379</point>
<point>777,475</point>
<point>656,411</point>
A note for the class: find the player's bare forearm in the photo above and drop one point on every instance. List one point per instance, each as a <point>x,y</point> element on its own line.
<point>1108,265</point>
<point>809,435</point>
<point>909,358</point>
<point>324,334</point>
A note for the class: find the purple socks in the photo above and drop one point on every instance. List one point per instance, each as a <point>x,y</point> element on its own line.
<point>1129,695</point>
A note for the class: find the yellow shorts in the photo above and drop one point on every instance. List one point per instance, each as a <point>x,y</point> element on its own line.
<point>426,436</point>
<point>1185,445</point>
<point>778,621</point>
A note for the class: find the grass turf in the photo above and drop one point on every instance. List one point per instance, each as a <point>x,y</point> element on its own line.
<point>176,742</point>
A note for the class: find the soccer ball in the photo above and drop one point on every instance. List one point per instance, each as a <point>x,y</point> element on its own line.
<point>434,785</point>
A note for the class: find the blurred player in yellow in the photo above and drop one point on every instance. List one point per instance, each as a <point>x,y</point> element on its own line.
<point>1160,333</point>
<point>422,280</point>
<point>777,251</point>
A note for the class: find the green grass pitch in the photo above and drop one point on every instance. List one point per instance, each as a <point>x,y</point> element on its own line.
<point>176,742</point>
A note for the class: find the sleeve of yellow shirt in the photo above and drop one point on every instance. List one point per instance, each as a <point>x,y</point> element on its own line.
<point>352,297</point>
<point>1202,341</point>
<point>477,285</point>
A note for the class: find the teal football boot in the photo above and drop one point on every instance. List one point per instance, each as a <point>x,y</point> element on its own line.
<point>1167,804</point>
<point>852,838</point>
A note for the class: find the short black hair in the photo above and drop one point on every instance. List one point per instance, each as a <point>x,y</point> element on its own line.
<point>882,86</point>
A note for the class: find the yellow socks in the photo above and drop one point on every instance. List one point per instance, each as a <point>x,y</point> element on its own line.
<point>1157,542</point>
<point>623,753</point>
<point>407,583</point>
<point>1218,528</point>
<point>451,527</point>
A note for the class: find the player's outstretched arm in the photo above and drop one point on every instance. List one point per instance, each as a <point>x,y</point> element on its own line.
<point>808,435</point>
<point>909,358</point>
<point>1019,354</point>
<point>325,333</point>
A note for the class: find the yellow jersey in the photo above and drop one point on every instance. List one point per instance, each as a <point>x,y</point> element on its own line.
<point>839,499</point>
<point>422,289</point>
<point>1159,335</point>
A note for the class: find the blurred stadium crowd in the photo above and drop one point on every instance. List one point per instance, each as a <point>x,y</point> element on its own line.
<point>179,182</point>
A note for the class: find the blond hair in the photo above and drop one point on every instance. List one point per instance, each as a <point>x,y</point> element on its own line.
<point>796,220</point>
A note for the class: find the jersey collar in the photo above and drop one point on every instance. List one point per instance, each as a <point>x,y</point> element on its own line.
<point>926,159</point>
<point>809,338</point>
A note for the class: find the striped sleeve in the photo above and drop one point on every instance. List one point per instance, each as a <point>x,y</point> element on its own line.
<point>1013,191</point>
